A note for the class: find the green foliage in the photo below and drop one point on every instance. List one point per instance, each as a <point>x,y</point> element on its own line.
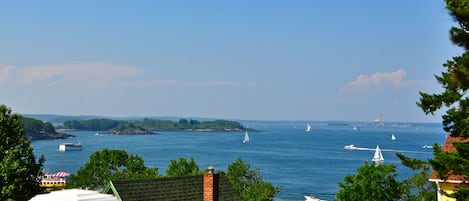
<point>19,171</point>
<point>417,186</point>
<point>146,125</point>
<point>107,165</point>
<point>38,130</point>
<point>372,182</point>
<point>182,167</point>
<point>92,124</point>
<point>455,82</point>
<point>249,183</point>
<point>31,125</point>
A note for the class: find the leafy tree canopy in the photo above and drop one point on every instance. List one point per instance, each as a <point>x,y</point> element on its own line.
<point>182,167</point>
<point>372,182</point>
<point>19,171</point>
<point>107,165</point>
<point>249,183</point>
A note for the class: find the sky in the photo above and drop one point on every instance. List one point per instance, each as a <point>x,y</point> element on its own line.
<point>252,60</point>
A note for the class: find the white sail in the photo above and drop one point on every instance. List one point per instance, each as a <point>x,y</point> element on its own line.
<point>393,137</point>
<point>308,127</point>
<point>246,137</point>
<point>378,157</point>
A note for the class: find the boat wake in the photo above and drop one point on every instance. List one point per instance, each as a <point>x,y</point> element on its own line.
<point>352,147</point>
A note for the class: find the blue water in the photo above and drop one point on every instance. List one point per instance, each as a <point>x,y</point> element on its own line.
<point>301,163</point>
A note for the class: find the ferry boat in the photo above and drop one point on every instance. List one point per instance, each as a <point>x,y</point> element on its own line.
<point>70,147</point>
<point>57,180</point>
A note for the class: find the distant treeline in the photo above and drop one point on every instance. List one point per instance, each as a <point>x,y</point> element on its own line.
<point>120,126</point>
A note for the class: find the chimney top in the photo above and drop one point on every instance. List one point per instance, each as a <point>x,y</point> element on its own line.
<point>210,169</point>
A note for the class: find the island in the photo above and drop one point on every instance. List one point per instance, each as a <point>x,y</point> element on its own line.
<point>149,126</point>
<point>39,130</point>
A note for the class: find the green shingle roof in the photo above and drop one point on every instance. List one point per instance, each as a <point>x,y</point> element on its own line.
<point>168,189</point>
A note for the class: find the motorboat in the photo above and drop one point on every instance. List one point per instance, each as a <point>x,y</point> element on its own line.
<point>350,147</point>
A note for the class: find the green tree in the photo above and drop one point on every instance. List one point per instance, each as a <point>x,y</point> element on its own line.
<point>455,81</point>
<point>19,172</point>
<point>372,182</point>
<point>249,183</point>
<point>107,165</point>
<point>417,186</point>
<point>182,167</point>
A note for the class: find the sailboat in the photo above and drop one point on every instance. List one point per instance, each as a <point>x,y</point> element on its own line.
<point>378,157</point>
<point>308,127</point>
<point>246,137</point>
<point>393,137</point>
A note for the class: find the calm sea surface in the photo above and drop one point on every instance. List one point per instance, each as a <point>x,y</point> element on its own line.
<point>303,163</point>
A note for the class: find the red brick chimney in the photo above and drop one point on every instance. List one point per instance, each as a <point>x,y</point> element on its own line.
<point>211,185</point>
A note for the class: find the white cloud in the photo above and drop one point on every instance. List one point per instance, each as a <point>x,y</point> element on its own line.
<point>74,73</point>
<point>96,76</point>
<point>5,73</point>
<point>378,81</point>
<point>180,83</point>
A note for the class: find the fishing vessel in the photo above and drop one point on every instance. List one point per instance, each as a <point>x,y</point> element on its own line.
<point>70,147</point>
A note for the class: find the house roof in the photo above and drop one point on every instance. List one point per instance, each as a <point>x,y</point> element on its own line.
<point>74,195</point>
<point>448,147</point>
<point>168,189</point>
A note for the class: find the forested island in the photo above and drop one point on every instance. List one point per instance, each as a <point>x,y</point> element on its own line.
<point>149,126</point>
<point>39,130</point>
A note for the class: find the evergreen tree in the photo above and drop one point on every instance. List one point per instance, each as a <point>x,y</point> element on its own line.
<point>417,186</point>
<point>19,172</point>
<point>455,81</point>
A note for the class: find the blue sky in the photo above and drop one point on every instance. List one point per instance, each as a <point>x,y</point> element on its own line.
<point>252,60</point>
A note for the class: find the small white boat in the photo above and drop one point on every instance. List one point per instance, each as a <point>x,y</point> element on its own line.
<point>70,147</point>
<point>246,137</point>
<point>308,127</point>
<point>350,147</point>
<point>378,156</point>
<point>393,137</point>
<point>427,147</point>
<point>312,198</point>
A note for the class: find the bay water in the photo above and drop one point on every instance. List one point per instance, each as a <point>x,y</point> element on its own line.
<point>302,163</point>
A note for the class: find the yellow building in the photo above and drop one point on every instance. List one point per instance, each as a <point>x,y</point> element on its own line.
<point>448,185</point>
